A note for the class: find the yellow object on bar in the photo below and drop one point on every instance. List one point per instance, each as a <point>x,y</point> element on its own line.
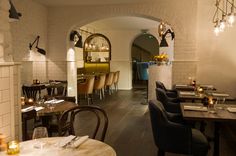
<point>13,147</point>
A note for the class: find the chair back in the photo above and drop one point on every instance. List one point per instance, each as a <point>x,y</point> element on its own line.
<point>31,91</point>
<point>161,95</point>
<point>67,121</point>
<point>116,77</point>
<point>100,82</point>
<point>87,86</point>
<point>159,84</point>
<point>109,79</point>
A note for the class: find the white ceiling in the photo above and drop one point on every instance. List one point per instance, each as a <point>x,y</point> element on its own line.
<point>125,22</point>
<point>56,3</point>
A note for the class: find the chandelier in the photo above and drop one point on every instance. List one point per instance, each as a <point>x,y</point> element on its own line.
<point>224,15</point>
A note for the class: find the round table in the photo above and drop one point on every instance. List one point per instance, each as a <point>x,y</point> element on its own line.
<point>90,147</point>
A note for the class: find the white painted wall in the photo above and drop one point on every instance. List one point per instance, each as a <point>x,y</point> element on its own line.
<point>216,54</point>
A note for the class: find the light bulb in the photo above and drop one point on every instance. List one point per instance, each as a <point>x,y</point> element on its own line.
<point>222,25</point>
<point>231,19</point>
<point>216,30</point>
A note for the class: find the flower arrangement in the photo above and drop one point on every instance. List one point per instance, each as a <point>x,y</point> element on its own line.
<point>161,58</point>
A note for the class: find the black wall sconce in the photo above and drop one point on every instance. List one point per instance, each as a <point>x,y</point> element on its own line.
<point>163,38</point>
<point>13,14</point>
<point>76,38</point>
<point>40,50</point>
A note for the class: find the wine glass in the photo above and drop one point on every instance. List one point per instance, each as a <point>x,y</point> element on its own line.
<point>39,132</point>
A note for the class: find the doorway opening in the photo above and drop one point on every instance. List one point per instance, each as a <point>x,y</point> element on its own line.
<point>144,48</point>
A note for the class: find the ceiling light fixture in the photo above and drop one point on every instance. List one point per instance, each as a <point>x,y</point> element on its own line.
<point>13,14</point>
<point>40,50</point>
<point>227,18</point>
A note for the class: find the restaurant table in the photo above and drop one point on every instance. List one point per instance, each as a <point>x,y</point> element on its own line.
<point>50,110</point>
<point>90,147</point>
<point>221,115</point>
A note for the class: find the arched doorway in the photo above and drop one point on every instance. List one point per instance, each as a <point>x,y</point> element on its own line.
<point>144,48</point>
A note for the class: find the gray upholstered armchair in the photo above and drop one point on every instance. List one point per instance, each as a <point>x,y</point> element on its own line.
<point>174,137</point>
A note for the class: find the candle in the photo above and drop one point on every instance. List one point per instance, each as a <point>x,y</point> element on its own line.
<point>13,147</point>
<point>30,100</point>
<point>199,89</point>
<point>22,99</point>
<point>210,100</point>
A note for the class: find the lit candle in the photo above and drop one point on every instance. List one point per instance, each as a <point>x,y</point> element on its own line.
<point>200,89</point>
<point>30,100</point>
<point>13,147</point>
<point>22,99</point>
<point>210,100</point>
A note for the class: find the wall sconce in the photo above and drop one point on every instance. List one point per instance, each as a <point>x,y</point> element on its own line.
<point>13,14</point>
<point>40,50</point>
<point>76,38</point>
<point>163,38</point>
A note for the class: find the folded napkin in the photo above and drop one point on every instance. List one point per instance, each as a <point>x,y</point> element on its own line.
<point>187,93</point>
<point>79,141</point>
<point>231,109</point>
<point>207,86</point>
<point>181,85</point>
<point>220,94</point>
<point>38,108</point>
<point>27,109</point>
<point>66,140</point>
<point>195,108</point>
<point>54,101</point>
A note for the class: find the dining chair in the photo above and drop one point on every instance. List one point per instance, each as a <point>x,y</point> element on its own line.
<point>174,137</point>
<point>109,82</point>
<point>68,123</point>
<point>32,91</point>
<point>86,89</point>
<point>170,104</point>
<point>116,80</point>
<point>99,84</point>
<point>169,92</point>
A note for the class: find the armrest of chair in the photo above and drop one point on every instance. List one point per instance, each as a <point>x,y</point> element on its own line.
<point>175,117</point>
<point>172,107</point>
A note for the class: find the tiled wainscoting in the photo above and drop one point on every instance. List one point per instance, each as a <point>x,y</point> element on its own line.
<point>10,118</point>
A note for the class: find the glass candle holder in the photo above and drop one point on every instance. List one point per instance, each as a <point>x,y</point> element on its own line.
<point>13,147</point>
<point>30,101</point>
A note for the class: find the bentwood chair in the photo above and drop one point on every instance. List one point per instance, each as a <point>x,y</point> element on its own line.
<point>99,84</point>
<point>69,126</point>
<point>170,104</point>
<point>86,89</point>
<point>174,137</point>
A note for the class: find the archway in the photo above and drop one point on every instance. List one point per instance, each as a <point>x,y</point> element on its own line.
<point>122,41</point>
<point>144,48</point>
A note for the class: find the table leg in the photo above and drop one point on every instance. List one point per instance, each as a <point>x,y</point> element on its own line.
<point>216,139</point>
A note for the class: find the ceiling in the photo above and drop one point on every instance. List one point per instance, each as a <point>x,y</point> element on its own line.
<point>56,3</point>
<point>124,23</point>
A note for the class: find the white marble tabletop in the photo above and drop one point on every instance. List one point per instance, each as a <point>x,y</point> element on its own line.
<point>88,148</point>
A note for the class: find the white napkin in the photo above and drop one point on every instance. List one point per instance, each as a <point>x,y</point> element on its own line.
<point>195,108</point>
<point>187,93</point>
<point>53,101</point>
<point>79,141</point>
<point>231,109</point>
<point>181,85</point>
<point>38,108</point>
<point>27,109</point>
<point>220,94</point>
<point>66,140</point>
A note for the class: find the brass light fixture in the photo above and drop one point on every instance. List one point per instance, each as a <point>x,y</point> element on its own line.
<point>40,50</point>
<point>76,38</point>
<point>227,17</point>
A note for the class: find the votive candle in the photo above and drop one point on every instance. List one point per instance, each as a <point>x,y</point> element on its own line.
<point>13,147</point>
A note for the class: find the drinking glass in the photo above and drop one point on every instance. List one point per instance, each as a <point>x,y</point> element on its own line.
<point>40,132</point>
